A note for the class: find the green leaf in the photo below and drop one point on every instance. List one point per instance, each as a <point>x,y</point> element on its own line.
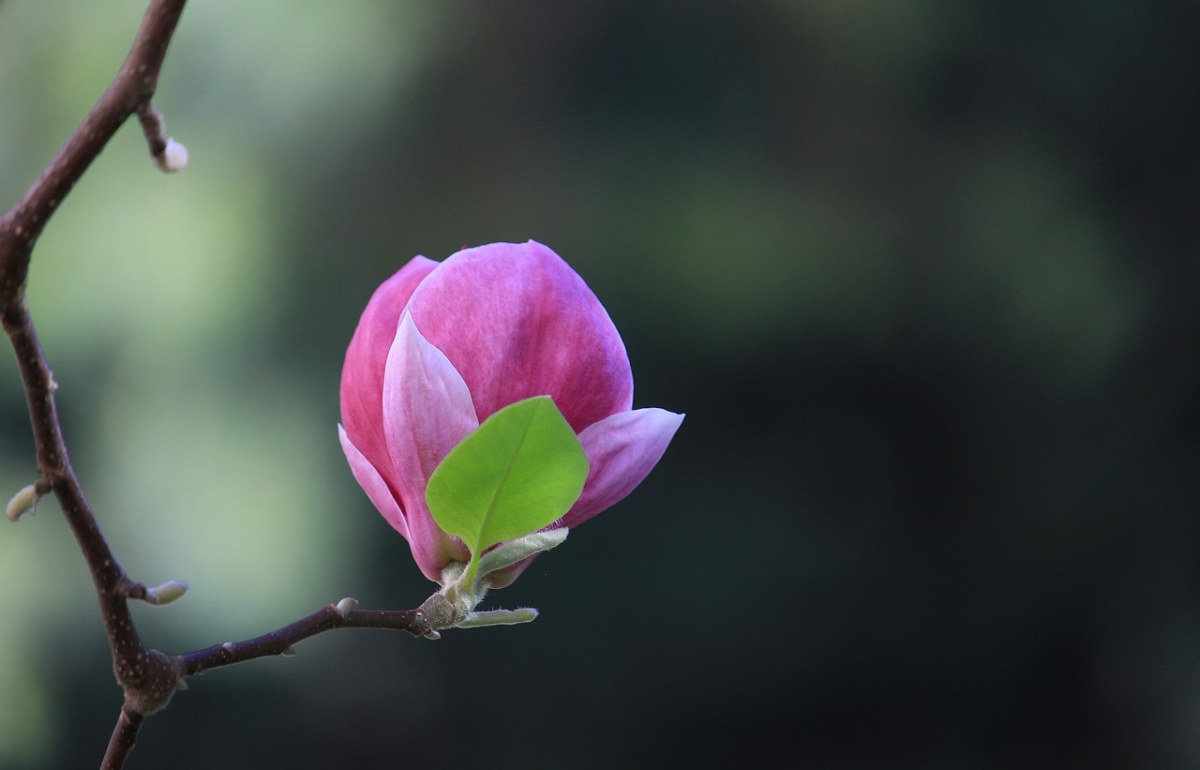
<point>514,474</point>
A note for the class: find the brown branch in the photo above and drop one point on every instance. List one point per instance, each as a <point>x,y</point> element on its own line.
<point>124,735</point>
<point>129,91</point>
<point>132,664</point>
<point>154,127</point>
<point>149,677</point>
<point>281,640</point>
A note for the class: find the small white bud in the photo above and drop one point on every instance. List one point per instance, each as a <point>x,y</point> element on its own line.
<point>346,606</point>
<point>22,502</point>
<point>174,157</point>
<point>181,685</point>
<point>166,593</point>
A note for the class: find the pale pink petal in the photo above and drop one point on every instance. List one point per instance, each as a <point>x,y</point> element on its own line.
<point>621,451</point>
<point>362,374</point>
<point>516,321</point>
<point>427,410</point>
<point>373,484</point>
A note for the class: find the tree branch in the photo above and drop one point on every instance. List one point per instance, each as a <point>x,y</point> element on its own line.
<point>129,91</point>
<point>130,661</point>
<point>147,676</point>
<point>281,640</point>
<point>124,735</point>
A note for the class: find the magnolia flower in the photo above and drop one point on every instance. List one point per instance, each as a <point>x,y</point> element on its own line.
<point>441,347</point>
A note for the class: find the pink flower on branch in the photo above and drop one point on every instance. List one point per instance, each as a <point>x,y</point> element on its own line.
<point>441,347</point>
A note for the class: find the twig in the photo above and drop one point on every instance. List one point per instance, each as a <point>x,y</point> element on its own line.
<point>132,88</point>
<point>124,735</point>
<point>154,127</point>
<point>139,672</point>
<point>133,666</point>
<point>169,155</point>
<point>281,641</point>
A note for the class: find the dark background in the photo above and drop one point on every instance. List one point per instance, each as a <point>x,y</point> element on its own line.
<point>923,276</point>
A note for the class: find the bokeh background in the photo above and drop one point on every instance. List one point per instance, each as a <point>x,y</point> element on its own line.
<point>922,274</point>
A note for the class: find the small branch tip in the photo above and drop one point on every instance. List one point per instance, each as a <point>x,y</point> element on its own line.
<point>166,593</point>
<point>174,157</point>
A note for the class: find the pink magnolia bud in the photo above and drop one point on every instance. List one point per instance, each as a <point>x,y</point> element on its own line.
<point>440,347</point>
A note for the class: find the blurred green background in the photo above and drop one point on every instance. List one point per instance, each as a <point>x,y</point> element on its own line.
<point>922,274</point>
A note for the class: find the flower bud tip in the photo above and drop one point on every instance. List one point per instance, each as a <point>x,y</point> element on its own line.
<point>346,606</point>
<point>174,157</point>
<point>23,502</point>
<point>166,593</point>
<point>181,685</point>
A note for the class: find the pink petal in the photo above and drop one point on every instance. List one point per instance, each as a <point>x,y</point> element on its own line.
<point>621,450</point>
<point>427,410</point>
<point>517,321</point>
<point>362,374</point>
<point>373,484</point>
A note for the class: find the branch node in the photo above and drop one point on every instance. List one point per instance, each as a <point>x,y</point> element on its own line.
<point>129,589</point>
